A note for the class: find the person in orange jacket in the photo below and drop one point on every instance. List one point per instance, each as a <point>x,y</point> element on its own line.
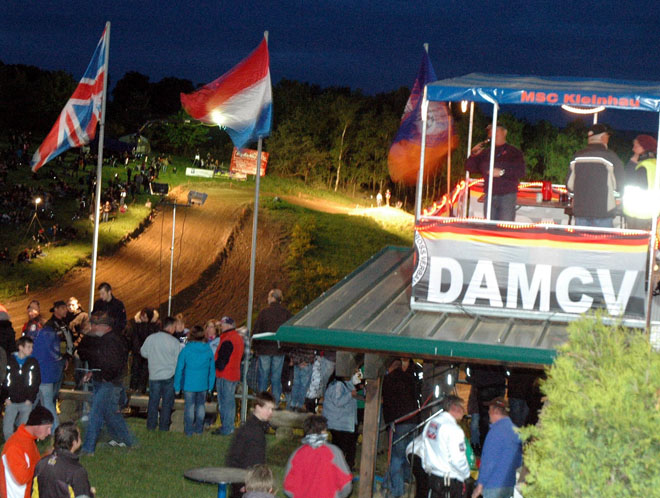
<point>20,454</point>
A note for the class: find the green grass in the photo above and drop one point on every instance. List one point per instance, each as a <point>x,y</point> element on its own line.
<point>156,466</point>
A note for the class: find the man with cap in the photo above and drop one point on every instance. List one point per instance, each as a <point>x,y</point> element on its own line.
<point>20,454</point>
<point>508,169</point>
<point>228,373</point>
<point>48,353</point>
<point>107,353</point>
<point>501,455</point>
<point>594,174</point>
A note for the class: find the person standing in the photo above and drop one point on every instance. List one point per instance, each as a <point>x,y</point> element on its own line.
<point>35,321</point>
<point>195,376</point>
<point>21,384</point>
<point>161,351</point>
<point>60,474</point>
<point>400,403</point>
<point>51,364</point>
<point>228,373</point>
<point>269,355</point>
<point>443,451</point>
<point>340,410</point>
<point>317,468</point>
<point>106,352</point>
<point>508,169</point>
<point>147,322</point>
<point>7,333</point>
<point>115,308</point>
<point>594,174</point>
<point>639,192</point>
<point>248,445</point>
<point>20,454</point>
<point>502,454</point>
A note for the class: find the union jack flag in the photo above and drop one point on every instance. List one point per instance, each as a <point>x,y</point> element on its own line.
<point>76,125</point>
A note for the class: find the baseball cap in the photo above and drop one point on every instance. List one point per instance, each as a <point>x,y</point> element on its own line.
<point>499,401</point>
<point>225,320</point>
<point>57,304</point>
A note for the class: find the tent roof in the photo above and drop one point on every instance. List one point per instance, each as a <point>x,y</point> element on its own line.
<point>513,89</point>
<point>369,311</point>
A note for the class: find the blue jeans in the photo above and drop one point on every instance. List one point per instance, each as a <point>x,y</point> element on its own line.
<point>503,207</point>
<point>594,222</point>
<point>194,412</point>
<point>160,389</point>
<point>497,493</point>
<point>399,466</point>
<point>226,404</point>
<point>270,370</point>
<point>105,409</point>
<point>301,379</point>
<point>46,398</point>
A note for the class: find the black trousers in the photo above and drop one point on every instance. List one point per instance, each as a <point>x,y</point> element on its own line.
<point>442,488</point>
<point>346,441</point>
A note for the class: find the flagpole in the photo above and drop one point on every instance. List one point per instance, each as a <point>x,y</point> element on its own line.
<point>99,165</point>
<point>253,257</point>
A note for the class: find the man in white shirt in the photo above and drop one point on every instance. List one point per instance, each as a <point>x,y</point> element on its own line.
<point>442,451</point>
<point>161,351</point>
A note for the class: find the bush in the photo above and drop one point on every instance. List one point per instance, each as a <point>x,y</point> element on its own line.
<point>598,431</point>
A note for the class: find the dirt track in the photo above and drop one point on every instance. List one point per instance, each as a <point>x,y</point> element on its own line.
<point>211,264</point>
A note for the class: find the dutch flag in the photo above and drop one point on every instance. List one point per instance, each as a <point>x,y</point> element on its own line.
<point>241,100</point>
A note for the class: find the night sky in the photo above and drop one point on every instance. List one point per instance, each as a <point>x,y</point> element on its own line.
<point>374,46</point>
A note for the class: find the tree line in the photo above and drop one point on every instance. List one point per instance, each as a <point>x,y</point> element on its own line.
<point>336,136</point>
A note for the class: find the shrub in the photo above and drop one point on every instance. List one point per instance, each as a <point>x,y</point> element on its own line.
<point>598,431</point>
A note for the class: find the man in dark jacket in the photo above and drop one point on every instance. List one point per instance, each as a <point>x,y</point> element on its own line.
<point>595,173</point>
<point>22,385</point>
<point>270,357</point>
<point>114,307</point>
<point>508,169</point>
<point>400,400</point>
<point>248,446</point>
<point>7,334</point>
<point>106,352</point>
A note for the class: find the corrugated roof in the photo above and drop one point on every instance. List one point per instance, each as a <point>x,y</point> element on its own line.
<point>369,311</point>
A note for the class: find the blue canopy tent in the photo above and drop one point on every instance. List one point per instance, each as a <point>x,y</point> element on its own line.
<point>554,91</point>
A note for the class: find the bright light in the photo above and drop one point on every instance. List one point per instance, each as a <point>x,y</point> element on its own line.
<point>436,391</point>
<point>464,106</point>
<point>583,110</point>
<point>218,118</point>
<point>37,200</point>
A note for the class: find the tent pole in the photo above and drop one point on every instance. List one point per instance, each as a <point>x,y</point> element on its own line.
<point>420,174</point>
<point>449,131</point>
<point>492,161</point>
<point>654,233</point>
<point>469,152</point>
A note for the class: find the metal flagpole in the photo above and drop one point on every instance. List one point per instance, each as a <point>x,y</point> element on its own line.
<point>169,297</point>
<point>469,152</point>
<point>422,153</point>
<point>492,161</point>
<point>99,166</point>
<point>253,257</point>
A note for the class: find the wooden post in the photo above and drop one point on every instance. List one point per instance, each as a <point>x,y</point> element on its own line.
<point>372,390</point>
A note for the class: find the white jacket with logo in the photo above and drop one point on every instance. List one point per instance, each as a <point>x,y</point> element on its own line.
<point>441,447</point>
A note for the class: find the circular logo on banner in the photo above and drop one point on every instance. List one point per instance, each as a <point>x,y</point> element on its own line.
<point>422,259</point>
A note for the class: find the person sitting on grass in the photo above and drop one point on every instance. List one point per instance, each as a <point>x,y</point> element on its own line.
<point>259,482</point>
<point>60,474</point>
<point>21,384</point>
<point>195,376</point>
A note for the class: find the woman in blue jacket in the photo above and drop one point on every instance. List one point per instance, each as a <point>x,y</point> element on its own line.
<point>195,376</point>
